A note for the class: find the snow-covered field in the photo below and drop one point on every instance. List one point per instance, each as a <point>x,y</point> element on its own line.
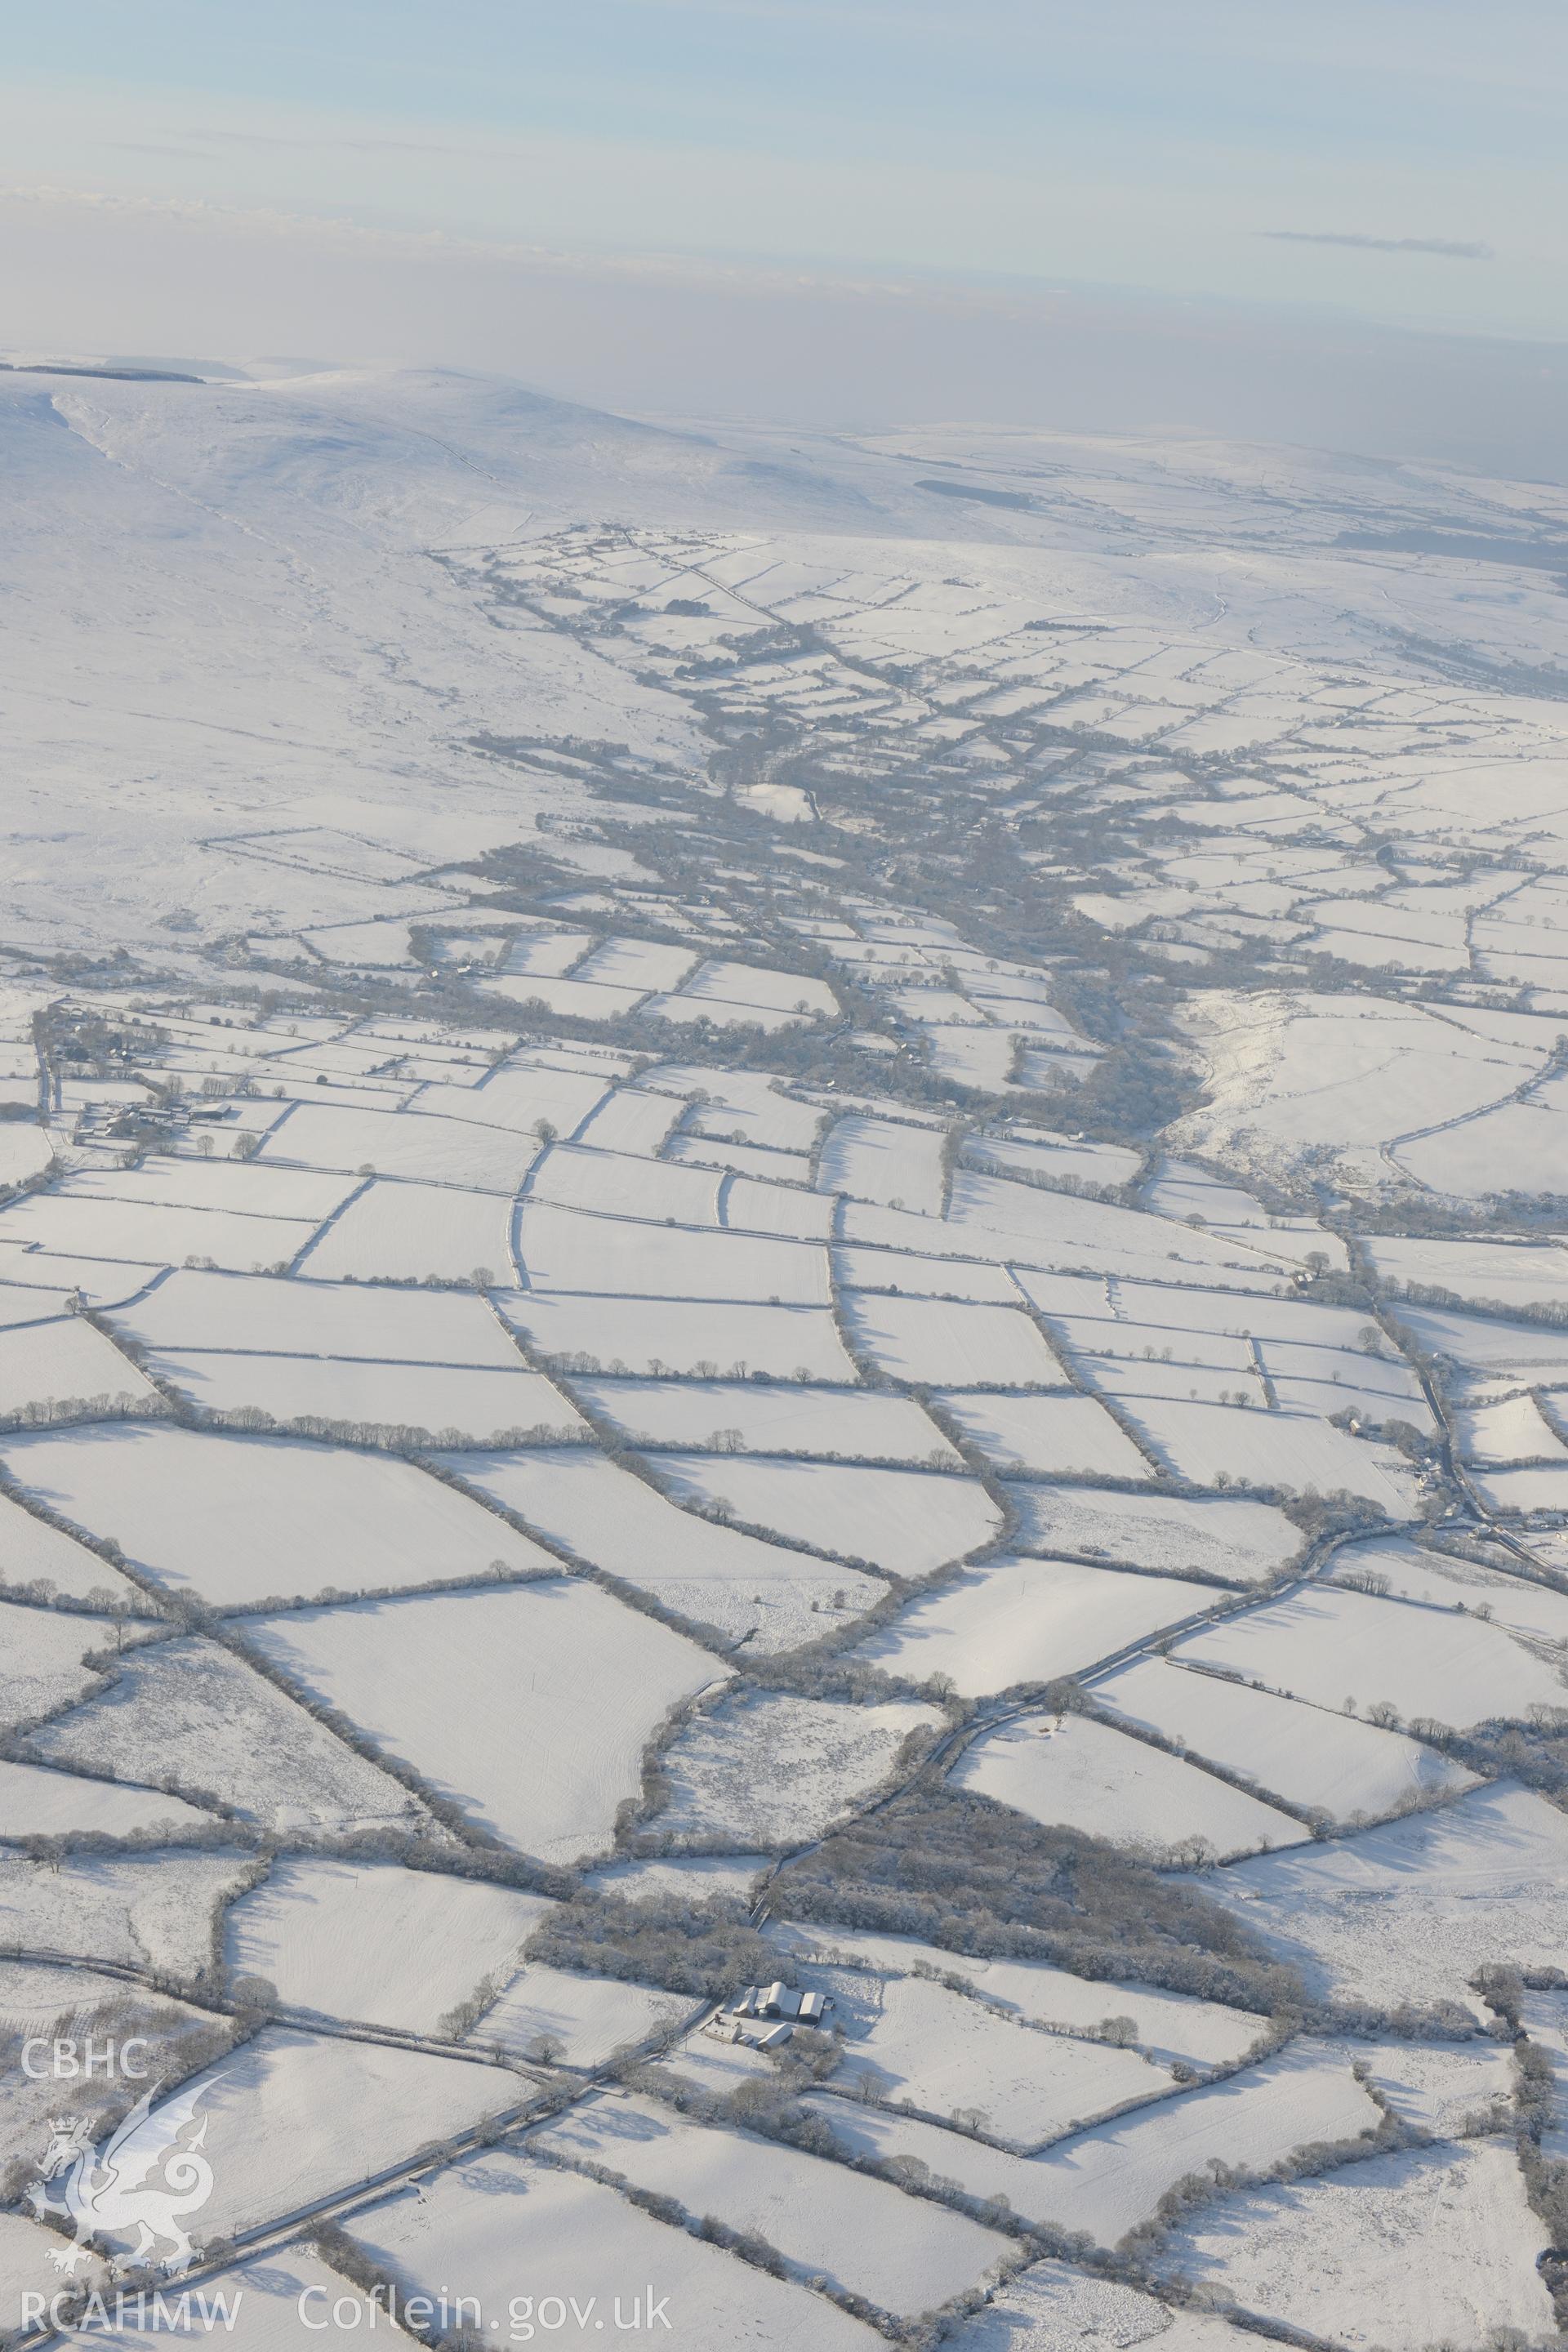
<point>562,1250</point>
<point>1012,1621</point>
<point>947,2055</point>
<point>859,2234</point>
<point>38,1804</point>
<point>382,1143</point>
<point>568,2236</point>
<point>482,1407</point>
<point>555,2014</point>
<point>293,2118</point>
<point>697,1337</point>
<point>1431,2246</point>
<point>1449,2088</point>
<point>412,1232</point>
<point>1332,1763</point>
<point>241,1519</point>
<point>951,1343</point>
<point>1085,1776</point>
<point>736,1417</point>
<point>1480,1273</point>
<point>1052,2308</point>
<point>1235,1542</point>
<point>1060,1436</point>
<point>153,1910</point>
<point>875,1160</point>
<point>1337,1649</point>
<point>28,2267</point>
<point>374,1944</point>
<point>59,1365</point>
<point>599,1513</point>
<point>1106,2180</point>
<point>1407,1912</point>
<point>44,1561</point>
<point>1167,2025</point>
<point>44,1660</point>
<point>191,1715</point>
<point>148,1233</point>
<point>1504,1594</point>
<point>1215,1444</point>
<point>480,1693</point>
<point>208,1313</point>
<point>907,1522</point>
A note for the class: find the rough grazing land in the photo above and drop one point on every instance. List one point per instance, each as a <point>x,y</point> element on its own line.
<point>1416,2249</point>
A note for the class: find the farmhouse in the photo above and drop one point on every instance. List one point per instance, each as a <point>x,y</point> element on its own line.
<point>777,2008</point>
<point>782,2001</point>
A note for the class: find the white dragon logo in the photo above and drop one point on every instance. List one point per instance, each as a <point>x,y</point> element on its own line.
<point>145,2180</point>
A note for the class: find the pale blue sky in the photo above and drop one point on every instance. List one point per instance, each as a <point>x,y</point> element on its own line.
<point>196,174</point>
<point>1392,76</point>
<point>1132,142</point>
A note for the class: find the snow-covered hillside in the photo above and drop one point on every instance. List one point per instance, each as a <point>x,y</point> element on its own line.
<point>781,1220</point>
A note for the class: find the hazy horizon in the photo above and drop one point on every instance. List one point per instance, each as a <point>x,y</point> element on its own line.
<point>1347,235</point>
